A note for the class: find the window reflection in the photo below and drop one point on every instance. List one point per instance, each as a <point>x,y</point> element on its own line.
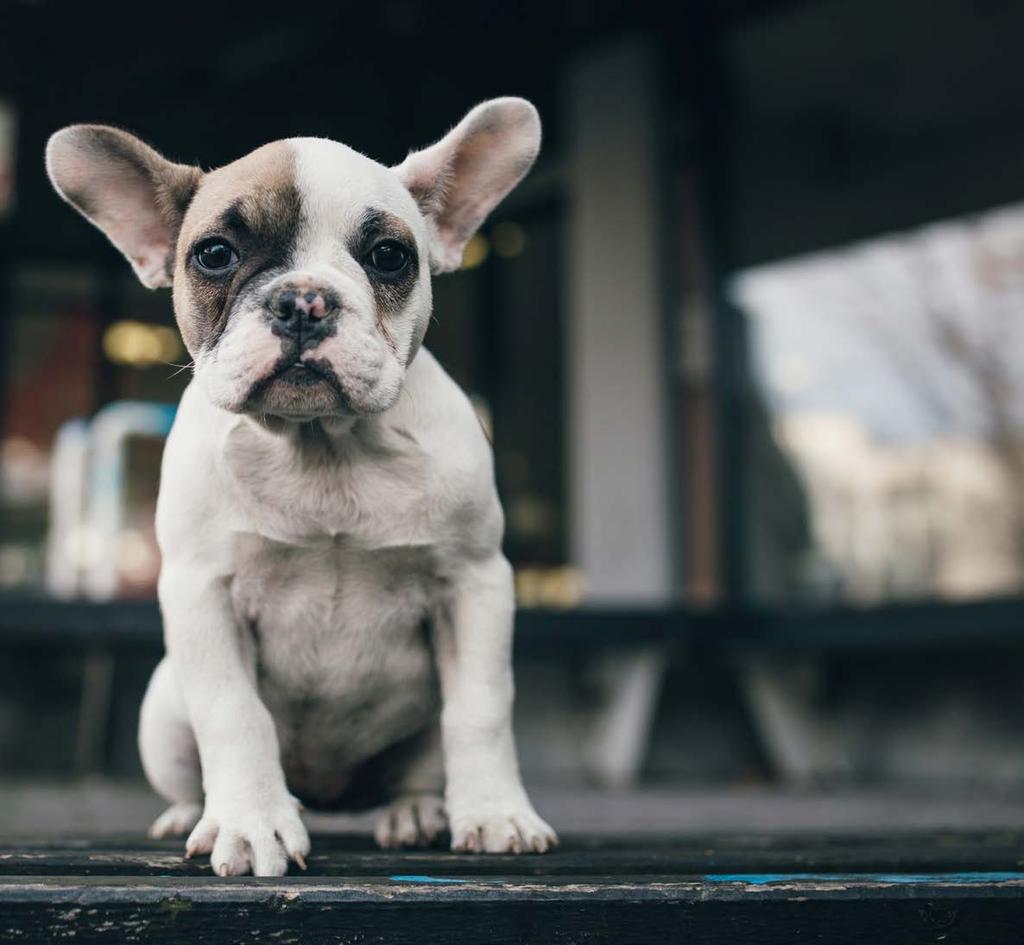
<point>892,373</point>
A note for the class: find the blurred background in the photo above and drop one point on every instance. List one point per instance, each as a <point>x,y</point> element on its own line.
<point>749,340</point>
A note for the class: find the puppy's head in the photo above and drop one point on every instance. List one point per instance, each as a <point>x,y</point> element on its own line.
<point>301,272</point>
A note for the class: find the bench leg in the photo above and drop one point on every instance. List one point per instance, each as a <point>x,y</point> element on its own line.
<point>803,746</point>
<point>94,711</point>
<point>631,684</point>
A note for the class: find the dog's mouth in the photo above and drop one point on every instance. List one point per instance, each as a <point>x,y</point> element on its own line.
<point>301,375</point>
<point>298,388</point>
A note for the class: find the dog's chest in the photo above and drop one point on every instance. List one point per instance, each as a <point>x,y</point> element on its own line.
<point>339,640</point>
<point>334,574</point>
<point>311,608</point>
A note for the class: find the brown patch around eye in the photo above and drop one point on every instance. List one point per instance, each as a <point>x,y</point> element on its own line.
<point>214,296</point>
<point>254,205</point>
<point>390,293</point>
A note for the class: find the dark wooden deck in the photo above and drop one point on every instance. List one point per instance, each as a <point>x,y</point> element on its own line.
<point>916,888</point>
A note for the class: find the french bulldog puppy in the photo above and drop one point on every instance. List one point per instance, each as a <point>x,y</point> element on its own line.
<point>337,608</point>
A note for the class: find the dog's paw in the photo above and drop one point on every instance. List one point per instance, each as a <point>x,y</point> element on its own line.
<point>176,821</point>
<point>257,838</point>
<point>509,829</point>
<point>416,820</point>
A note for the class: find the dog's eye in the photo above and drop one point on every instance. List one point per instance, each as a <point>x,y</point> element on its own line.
<point>214,255</point>
<point>389,257</point>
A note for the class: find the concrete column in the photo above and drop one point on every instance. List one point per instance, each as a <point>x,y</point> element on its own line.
<point>619,489</point>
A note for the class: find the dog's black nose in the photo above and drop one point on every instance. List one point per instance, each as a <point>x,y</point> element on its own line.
<point>301,312</point>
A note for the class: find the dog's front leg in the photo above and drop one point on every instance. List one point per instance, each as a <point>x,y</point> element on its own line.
<point>487,806</point>
<point>250,821</point>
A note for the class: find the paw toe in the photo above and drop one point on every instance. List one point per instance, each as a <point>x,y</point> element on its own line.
<point>202,838</point>
<point>520,832</point>
<point>176,821</point>
<point>230,856</point>
<point>410,822</point>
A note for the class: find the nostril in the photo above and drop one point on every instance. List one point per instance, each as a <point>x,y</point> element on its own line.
<point>286,306</point>
<point>314,305</point>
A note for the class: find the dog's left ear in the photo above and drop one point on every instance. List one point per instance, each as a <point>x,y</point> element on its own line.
<point>132,193</point>
<point>461,179</point>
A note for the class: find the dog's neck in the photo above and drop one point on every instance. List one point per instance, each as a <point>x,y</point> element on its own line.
<point>329,440</point>
<point>316,439</point>
<point>333,427</point>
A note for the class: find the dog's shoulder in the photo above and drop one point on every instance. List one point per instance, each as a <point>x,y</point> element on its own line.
<point>456,469</point>
<point>438,414</point>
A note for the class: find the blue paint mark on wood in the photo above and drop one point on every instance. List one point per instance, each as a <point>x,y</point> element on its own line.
<point>414,878</point>
<point>765,879</point>
<point>421,878</point>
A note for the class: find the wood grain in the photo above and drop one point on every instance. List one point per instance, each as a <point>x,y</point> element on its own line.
<point>944,888</point>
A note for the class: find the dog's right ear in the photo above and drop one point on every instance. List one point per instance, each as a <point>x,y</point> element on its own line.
<point>132,193</point>
<point>459,180</point>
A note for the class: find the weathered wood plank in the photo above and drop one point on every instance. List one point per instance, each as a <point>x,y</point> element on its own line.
<point>340,855</point>
<point>917,888</point>
<point>834,910</point>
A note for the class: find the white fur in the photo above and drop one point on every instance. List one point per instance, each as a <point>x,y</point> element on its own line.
<point>299,563</point>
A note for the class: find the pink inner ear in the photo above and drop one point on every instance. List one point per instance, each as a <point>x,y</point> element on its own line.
<point>152,268</point>
<point>426,178</point>
<point>461,178</point>
<point>467,200</point>
<point>153,246</point>
<point>128,214</point>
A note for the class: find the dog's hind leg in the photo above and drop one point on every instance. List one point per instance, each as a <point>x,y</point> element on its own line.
<point>169,753</point>
<point>416,816</point>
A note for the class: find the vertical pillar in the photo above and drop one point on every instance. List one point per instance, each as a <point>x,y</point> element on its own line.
<point>621,502</point>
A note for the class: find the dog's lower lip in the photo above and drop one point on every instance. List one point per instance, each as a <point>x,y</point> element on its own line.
<point>299,370</point>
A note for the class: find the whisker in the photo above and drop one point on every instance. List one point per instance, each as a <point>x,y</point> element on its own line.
<point>180,367</point>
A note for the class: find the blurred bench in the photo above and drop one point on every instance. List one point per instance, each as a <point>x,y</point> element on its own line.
<point>776,655</point>
<point>25,619</point>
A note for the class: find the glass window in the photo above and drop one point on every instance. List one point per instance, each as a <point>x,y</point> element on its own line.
<point>887,440</point>
<point>49,366</point>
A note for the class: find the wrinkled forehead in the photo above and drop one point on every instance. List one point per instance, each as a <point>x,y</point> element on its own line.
<point>300,187</point>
